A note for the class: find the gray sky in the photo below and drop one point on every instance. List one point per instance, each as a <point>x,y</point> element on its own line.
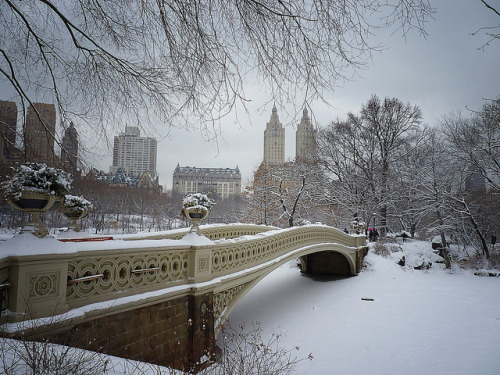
<point>443,73</point>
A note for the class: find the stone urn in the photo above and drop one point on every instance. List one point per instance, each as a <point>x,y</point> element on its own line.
<point>357,227</point>
<point>195,207</point>
<point>195,214</point>
<point>74,208</point>
<point>74,214</point>
<point>35,204</point>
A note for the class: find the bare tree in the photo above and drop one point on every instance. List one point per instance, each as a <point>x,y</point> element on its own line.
<point>184,63</point>
<point>348,156</point>
<point>361,155</point>
<point>284,194</point>
<point>244,351</point>
<point>492,32</point>
<point>476,141</point>
<point>393,125</point>
<point>437,180</point>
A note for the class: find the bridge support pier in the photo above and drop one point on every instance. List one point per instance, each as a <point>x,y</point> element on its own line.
<point>202,339</point>
<point>178,333</point>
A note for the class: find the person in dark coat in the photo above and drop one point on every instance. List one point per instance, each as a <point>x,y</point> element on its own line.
<point>370,234</point>
<point>405,236</point>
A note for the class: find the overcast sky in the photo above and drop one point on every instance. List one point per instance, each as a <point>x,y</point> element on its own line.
<point>443,73</point>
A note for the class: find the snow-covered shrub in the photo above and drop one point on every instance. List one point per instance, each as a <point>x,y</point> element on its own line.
<point>386,248</point>
<point>42,357</point>
<point>37,178</point>
<point>244,351</point>
<point>198,200</point>
<point>77,203</point>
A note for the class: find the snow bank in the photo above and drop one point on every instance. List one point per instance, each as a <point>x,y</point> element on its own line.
<point>387,320</point>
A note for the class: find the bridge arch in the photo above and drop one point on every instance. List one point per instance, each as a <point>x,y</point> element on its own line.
<point>232,293</point>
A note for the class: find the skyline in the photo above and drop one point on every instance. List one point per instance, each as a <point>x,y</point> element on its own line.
<point>445,72</point>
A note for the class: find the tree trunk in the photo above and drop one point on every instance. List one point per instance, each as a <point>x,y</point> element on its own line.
<point>444,245</point>
<point>484,244</point>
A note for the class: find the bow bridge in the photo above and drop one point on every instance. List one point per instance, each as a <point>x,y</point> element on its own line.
<point>160,299</point>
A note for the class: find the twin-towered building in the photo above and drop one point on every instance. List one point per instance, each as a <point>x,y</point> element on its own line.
<point>226,182</point>
<point>274,139</point>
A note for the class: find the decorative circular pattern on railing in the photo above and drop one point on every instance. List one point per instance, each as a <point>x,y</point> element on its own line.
<point>104,275</point>
<point>120,273</point>
<point>231,257</point>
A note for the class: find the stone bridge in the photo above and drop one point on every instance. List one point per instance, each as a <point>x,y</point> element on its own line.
<point>159,298</point>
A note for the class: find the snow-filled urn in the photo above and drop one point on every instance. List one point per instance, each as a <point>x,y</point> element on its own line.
<point>196,207</point>
<point>37,178</point>
<point>36,188</point>
<point>74,208</point>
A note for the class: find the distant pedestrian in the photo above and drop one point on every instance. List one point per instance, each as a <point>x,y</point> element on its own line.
<point>375,234</point>
<point>370,234</point>
<point>405,236</point>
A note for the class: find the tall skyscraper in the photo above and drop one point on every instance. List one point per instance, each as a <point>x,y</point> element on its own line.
<point>134,153</point>
<point>39,133</point>
<point>274,140</point>
<point>69,150</point>
<point>8,123</point>
<point>305,141</point>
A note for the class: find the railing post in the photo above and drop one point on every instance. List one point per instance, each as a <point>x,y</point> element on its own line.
<point>38,287</point>
<point>201,264</point>
<point>361,241</point>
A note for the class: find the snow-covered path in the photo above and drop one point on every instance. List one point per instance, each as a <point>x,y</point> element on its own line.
<point>420,322</point>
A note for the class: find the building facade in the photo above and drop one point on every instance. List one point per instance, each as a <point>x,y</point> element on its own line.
<point>135,154</point>
<point>305,138</point>
<point>224,182</point>
<point>8,124</point>
<point>69,150</point>
<point>121,179</point>
<point>10,155</point>
<point>475,181</point>
<point>274,140</point>
<point>40,130</point>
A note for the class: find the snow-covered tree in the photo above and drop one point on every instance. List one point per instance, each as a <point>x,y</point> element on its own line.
<point>361,155</point>
<point>476,141</point>
<point>287,194</point>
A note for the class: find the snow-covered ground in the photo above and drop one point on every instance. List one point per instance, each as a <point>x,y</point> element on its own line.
<point>419,322</point>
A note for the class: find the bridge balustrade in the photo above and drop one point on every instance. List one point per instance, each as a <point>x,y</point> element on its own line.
<point>213,232</point>
<point>58,283</point>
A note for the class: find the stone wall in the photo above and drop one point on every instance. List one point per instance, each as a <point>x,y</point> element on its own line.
<point>173,333</point>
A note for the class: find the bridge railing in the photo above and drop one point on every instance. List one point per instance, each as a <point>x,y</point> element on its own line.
<point>239,255</point>
<point>212,231</point>
<point>106,278</point>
